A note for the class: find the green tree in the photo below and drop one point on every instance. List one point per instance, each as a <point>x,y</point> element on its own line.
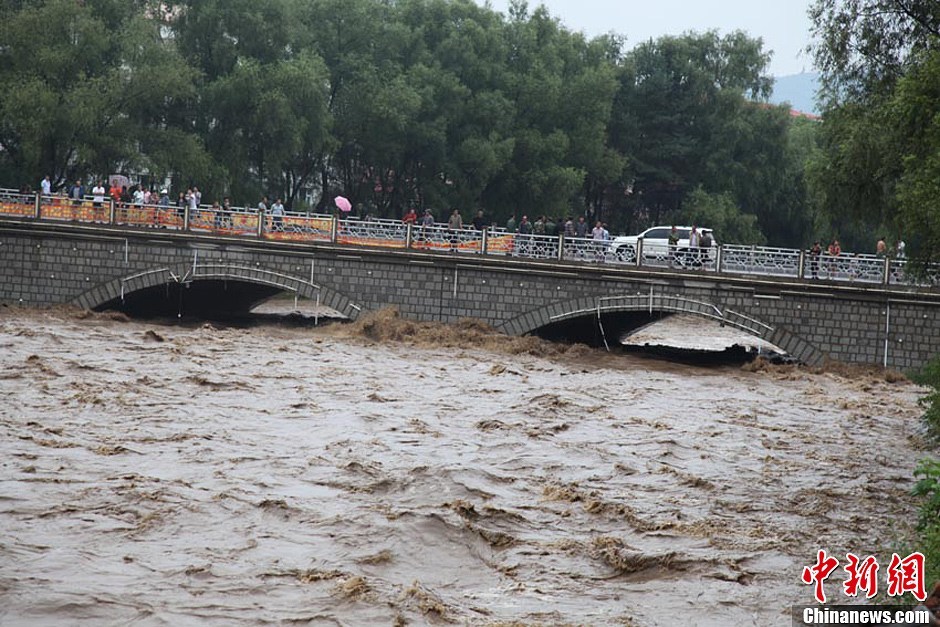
<point>94,94</point>
<point>915,110</point>
<point>721,213</point>
<point>862,47</point>
<point>879,141</point>
<point>684,118</point>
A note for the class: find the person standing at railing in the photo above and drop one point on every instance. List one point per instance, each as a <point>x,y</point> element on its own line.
<point>277,215</point>
<point>192,204</point>
<point>97,195</point>
<point>581,228</point>
<point>411,217</point>
<point>76,193</point>
<point>226,213</point>
<point>673,243</point>
<point>598,235</point>
<point>525,236</point>
<point>164,206</point>
<point>705,246</point>
<point>115,192</point>
<point>197,196</point>
<point>694,241</point>
<point>454,224</point>
<point>46,186</point>
<point>181,206</point>
<point>263,210</point>
<point>426,221</point>
<point>479,222</point>
<point>833,262</point>
<point>216,214</point>
<point>511,224</point>
<point>814,254</point>
<point>539,227</point>
<point>881,249</point>
<point>899,255</point>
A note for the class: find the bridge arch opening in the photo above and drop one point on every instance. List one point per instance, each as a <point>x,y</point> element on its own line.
<point>604,321</point>
<point>218,291</point>
<point>676,337</point>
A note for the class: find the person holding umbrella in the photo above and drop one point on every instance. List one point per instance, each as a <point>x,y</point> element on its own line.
<point>343,203</point>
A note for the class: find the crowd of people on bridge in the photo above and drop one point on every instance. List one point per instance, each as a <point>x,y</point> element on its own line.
<point>822,262</point>
<point>831,261</point>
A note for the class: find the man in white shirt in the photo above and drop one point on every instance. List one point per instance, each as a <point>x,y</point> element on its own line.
<point>97,193</point>
<point>46,186</point>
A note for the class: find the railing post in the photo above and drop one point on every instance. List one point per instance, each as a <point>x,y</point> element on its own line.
<point>718,260</point>
<point>186,217</point>
<point>561,247</point>
<point>38,212</point>
<point>801,265</point>
<point>409,235</point>
<point>334,229</point>
<point>260,222</point>
<point>484,244</point>
<point>886,271</point>
<point>111,212</point>
<point>639,252</point>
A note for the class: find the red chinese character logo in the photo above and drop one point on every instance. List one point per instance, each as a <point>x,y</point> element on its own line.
<point>862,575</point>
<point>819,572</point>
<point>907,575</point>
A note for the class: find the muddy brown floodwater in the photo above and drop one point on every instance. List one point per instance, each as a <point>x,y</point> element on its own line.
<point>388,473</point>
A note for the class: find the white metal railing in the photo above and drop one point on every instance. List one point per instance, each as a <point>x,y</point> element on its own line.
<point>585,249</point>
<point>760,260</point>
<point>86,209</point>
<point>224,220</point>
<point>534,246</point>
<point>677,256</point>
<point>295,226</point>
<point>150,216</point>
<point>441,238</point>
<point>854,267</point>
<point>385,233</point>
<point>16,203</point>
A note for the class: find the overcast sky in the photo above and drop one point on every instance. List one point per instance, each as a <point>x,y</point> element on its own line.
<point>782,24</point>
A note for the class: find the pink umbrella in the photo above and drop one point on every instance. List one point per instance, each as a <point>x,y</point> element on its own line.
<point>343,204</point>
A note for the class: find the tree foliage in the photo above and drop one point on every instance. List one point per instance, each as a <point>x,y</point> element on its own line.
<point>880,140</point>
<point>398,103</point>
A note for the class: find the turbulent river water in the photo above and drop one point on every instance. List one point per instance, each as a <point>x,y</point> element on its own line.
<point>391,473</point>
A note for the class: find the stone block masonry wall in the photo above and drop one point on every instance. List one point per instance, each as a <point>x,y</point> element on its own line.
<point>89,267</point>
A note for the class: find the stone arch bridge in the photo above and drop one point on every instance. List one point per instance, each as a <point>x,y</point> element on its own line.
<point>169,273</point>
